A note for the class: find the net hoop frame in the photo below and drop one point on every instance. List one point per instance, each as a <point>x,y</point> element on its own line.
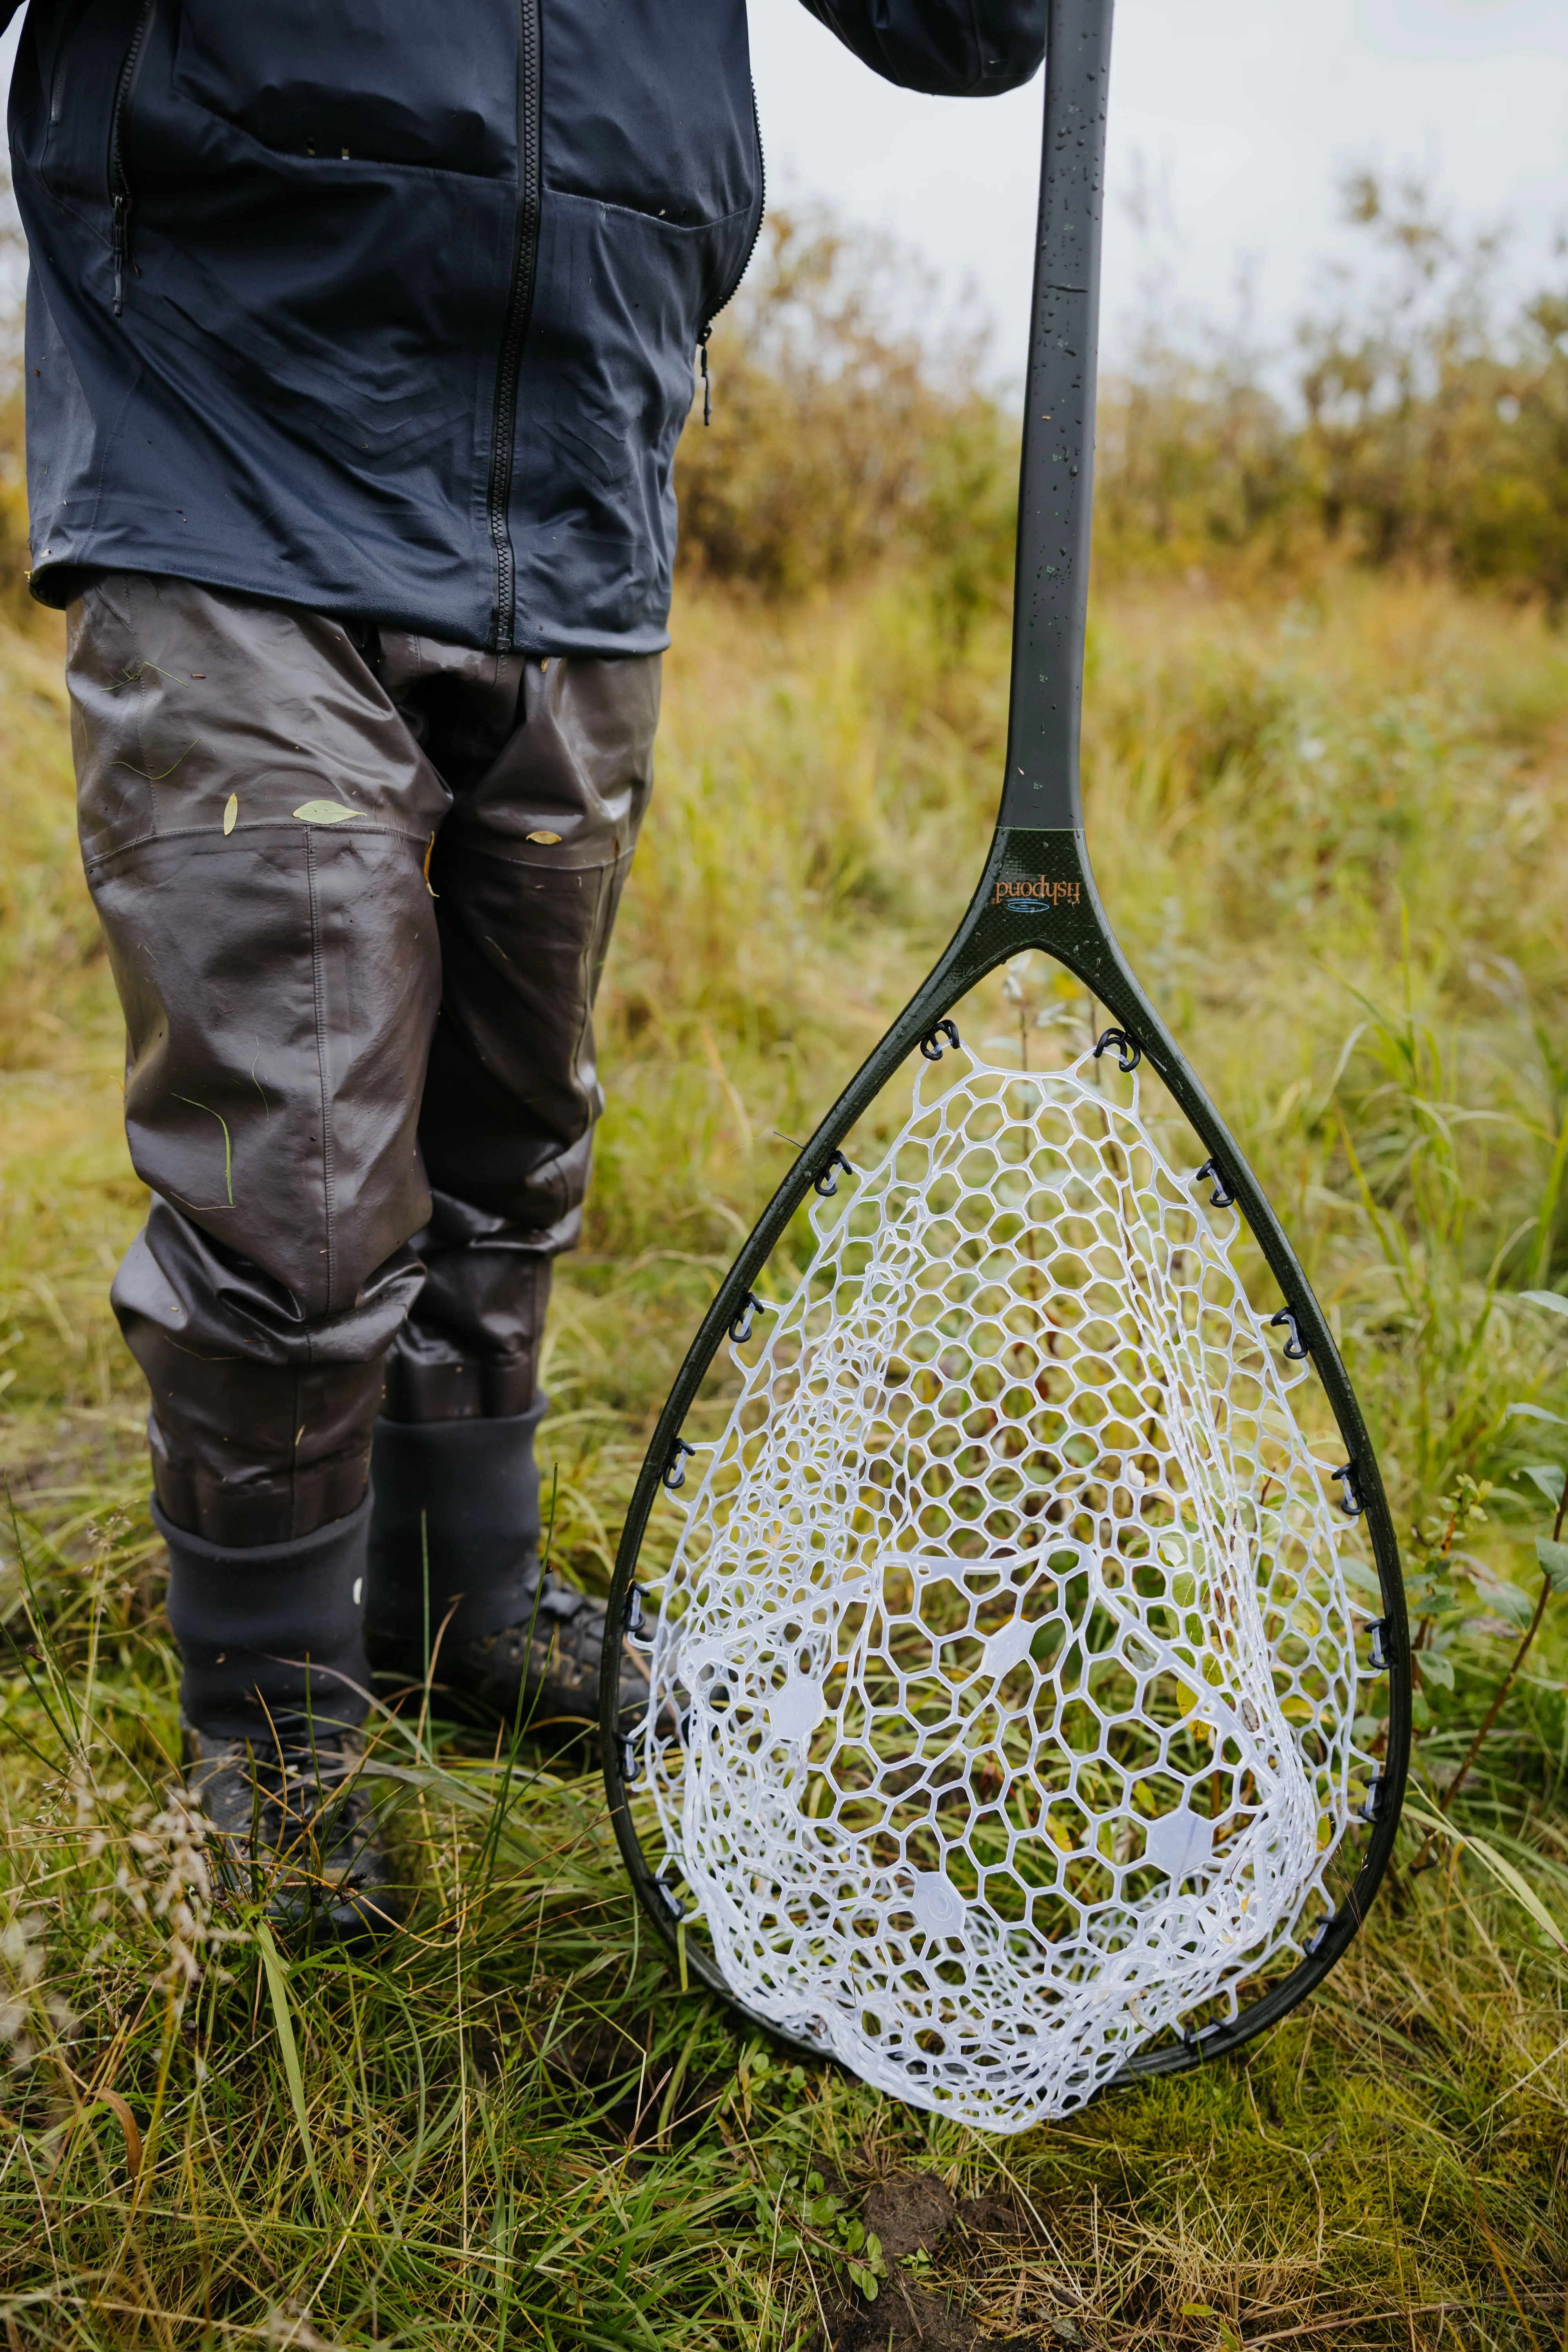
<point>1036,891</point>
<point>1016,908</point>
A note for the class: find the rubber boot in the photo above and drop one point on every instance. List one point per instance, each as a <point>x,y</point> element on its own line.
<point>454,1533</point>
<point>273,1687</point>
<point>456,1609</point>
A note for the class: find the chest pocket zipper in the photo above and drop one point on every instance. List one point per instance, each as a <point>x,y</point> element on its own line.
<point>120,192</point>
<point>70,25</point>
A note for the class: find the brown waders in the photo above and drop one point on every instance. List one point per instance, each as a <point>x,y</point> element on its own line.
<point>357,888</point>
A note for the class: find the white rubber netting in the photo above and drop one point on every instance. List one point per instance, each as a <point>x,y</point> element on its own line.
<point>1007,1636</point>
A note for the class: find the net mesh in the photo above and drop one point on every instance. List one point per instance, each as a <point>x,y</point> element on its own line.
<point>1007,1639</point>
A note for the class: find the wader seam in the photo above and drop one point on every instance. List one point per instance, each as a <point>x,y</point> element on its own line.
<point>363,826</point>
<point>294,1433</point>
<point>140,687</point>
<point>319,988</point>
<point>592,949</point>
<point>605,876</point>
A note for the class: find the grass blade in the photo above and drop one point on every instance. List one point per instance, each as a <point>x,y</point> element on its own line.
<point>278,1992</point>
<point>1501,1869</point>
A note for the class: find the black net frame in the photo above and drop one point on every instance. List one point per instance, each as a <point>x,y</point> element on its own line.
<point>1037,892</point>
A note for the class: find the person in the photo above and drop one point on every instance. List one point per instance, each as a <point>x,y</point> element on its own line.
<point>358,342</point>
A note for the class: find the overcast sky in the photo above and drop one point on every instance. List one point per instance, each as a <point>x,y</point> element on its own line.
<point>1240,116</point>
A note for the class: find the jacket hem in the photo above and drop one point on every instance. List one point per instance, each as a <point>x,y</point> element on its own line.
<point>64,577</point>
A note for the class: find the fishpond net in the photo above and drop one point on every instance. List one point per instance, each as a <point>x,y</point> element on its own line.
<point>1008,1640</point>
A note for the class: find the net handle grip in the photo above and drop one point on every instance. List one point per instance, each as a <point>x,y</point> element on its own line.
<point>1056,487</point>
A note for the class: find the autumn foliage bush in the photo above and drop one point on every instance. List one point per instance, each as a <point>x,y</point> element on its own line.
<point>1418,427</point>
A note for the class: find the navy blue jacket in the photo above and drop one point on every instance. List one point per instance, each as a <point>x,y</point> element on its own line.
<point>388,308</point>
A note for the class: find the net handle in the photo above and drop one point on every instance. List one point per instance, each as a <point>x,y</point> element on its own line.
<point>1056,484</point>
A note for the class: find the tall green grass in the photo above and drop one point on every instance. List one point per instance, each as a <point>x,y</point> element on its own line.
<point>1328,830</point>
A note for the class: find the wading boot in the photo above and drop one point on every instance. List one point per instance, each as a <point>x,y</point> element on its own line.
<point>540,1674</point>
<point>454,1578</point>
<point>292,1826</point>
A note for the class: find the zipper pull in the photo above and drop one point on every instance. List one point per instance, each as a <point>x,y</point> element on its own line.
<point>707,380</point>
<point>119,245</point>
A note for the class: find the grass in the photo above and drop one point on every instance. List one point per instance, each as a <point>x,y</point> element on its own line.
<point>1328,832</point>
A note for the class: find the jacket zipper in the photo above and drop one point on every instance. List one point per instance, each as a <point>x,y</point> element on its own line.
<point>739,274</point>
<point>120,188</point>
<point>520,304</point>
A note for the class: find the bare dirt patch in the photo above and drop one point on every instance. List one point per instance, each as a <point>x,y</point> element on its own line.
<point>911,2213</point>
<point>908,2317</point>
<point>914,2214</point>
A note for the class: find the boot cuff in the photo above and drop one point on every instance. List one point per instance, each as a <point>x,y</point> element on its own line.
<point>271,1635</point>
<point>455,1516</point>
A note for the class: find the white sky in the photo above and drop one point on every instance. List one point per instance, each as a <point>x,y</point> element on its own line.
<point>1242,116</point>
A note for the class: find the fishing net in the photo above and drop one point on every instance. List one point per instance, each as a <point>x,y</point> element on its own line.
<point>1008,1640</point>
